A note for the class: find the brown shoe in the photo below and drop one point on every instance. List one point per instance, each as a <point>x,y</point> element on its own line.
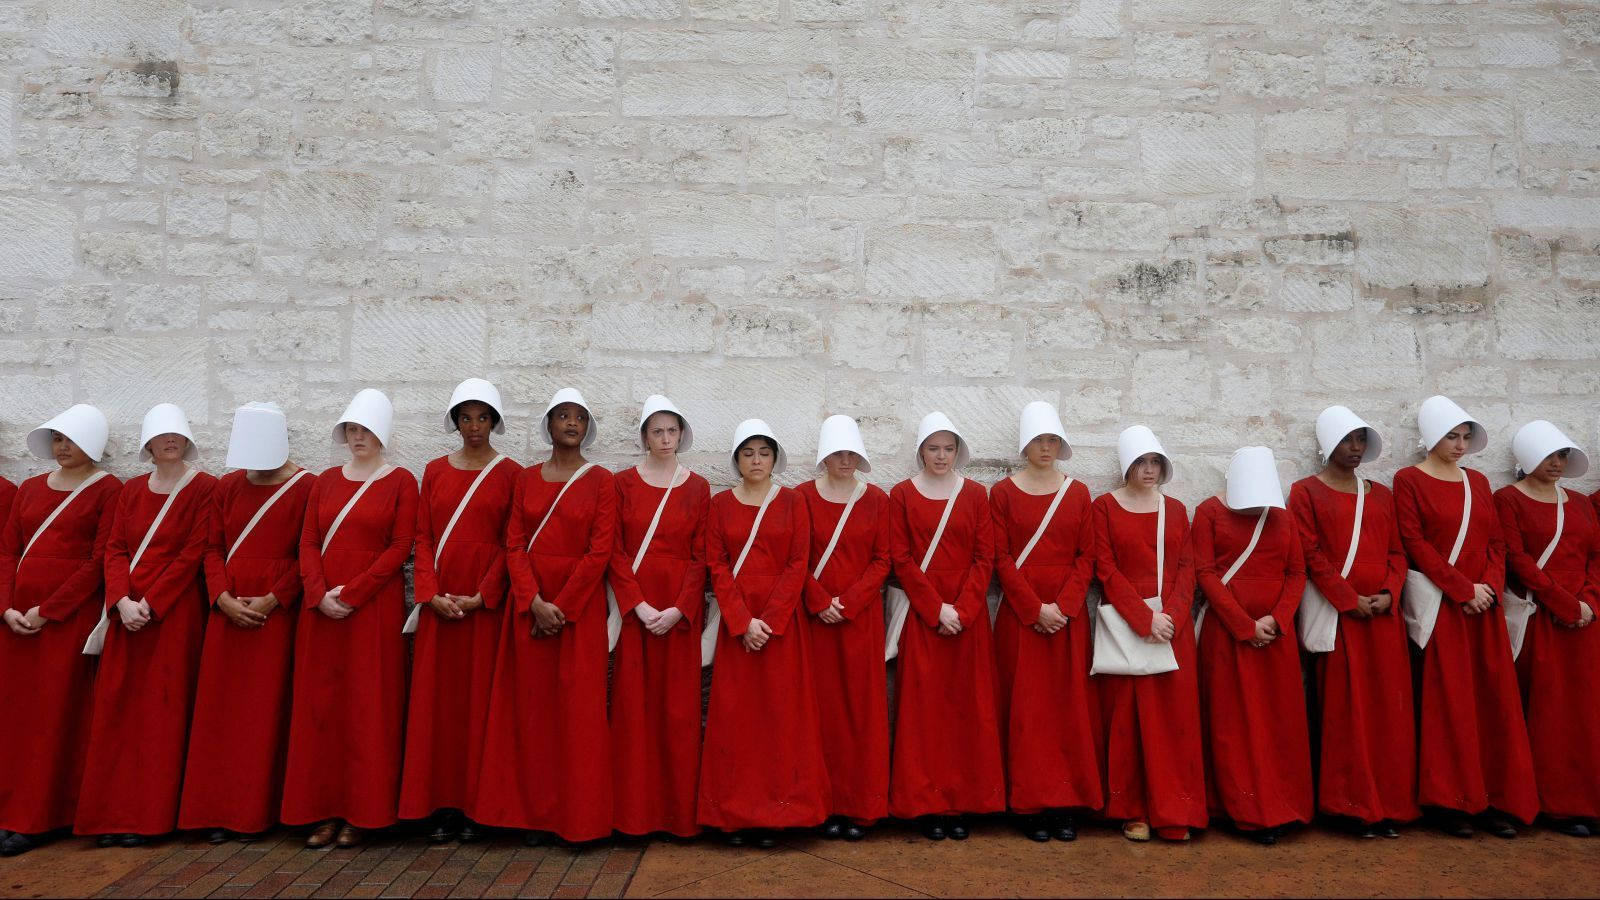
<point>1135,830</point>
<point>350,836</point>
<point>322,835</point>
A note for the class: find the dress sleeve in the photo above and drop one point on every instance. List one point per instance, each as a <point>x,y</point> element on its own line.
<point>1590,593</point>
<point>88,577</point>
<point>1072,597</point>
<point>492,586</point>
<point>176,580</point>
<point>11,540</point>
<point>311,547</point>
<point>1324,574</point>
<point>730,600</point>
<point>425,580</point>
<point>402,529</point>
<point>1119,591</point>
<point>1207,570</point>
<point>215,562</point>
<point>1394,581</point>
<point>619,573</point>
<point>1294,575</point>
<point>920,590</point>
<point>1015,591</point>
<point>524,581</point>
<point>1180,603</point>
<point>118,553</point>
<point>692,588</point>
<point>973,600</point>
<point>868,589</point>
<point>1424,557</point>
<point>779,611</point>
<point>1494,569</point>
<point>584,588</point>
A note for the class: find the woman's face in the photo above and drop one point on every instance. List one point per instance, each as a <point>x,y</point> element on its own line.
<point>475,421</point>
<point>662,434</point>
<point>1146,471</point>
<point>1553,467</point>
<point>66,453</point>
<point>1043,450</point>
<point>755,459</point>
<point>168,448</point>
<point>841,464</point>
<point>1453,445</point>
<point>568,424</point>
<point>363,444</point>
<point>938,452</point>
<point>1350,450</point>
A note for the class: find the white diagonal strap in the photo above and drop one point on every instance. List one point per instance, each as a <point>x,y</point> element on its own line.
<point>1355,537</point>
<point>1044,523</point>
<point>150,533</point>
<point>1248,548</point>
<point>838,530</point>
<point>438,548</point>
<point>557,501</point>
<point>1466,517</point>
<point>60,507</point>
<point>944,519</point>
<point>650,533</point>
<point>755,526</point>
<point>350,504</point>
<point>1161,542</point>
<point>251,525</point>
<point>1561,524</point>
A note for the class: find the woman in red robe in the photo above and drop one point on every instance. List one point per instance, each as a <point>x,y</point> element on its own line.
<point>155,593</point>
<point>655,693</point>
<point>51,572</point>
<point>762,766</point>
<point>1560,657</point>
<point>233,781</point>
<point>1155,768</point>
<point>1471,737</point>
<point>1252,698</point>
<point>460,578</point>
<point>547,752</point>
<point>947,760</point>
<point>1368,745</point>
<point>1049,713</point>
<point>845,601</point>
<point>343,766</point>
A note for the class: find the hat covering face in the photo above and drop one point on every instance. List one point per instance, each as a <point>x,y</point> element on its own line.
<point>1253,479</point>
<point>260,438</point>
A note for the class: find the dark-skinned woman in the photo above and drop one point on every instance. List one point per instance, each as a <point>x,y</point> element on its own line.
<point>52,568</point>
<point>762,766</point>
<point>547,751</point>
<point>1368,746</point>
<point>1553,547</point>
<point>460,579</point>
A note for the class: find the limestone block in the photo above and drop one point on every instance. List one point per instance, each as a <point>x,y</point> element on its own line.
<point>1170,383</point>
<point>159,307</point>
<point>712,225</point>
<point>1168,55</point>
<point>1423,247</point>
<point>149,29</point>
<point>1518,49</point>
<point>1259,12</point>
<point>1312,291</point>
<point>570,68</point>
<point>1449,116</point>
<point>1093,225</point>
<point>1540,322</point>
<point>1331,179</point>
<point>1351,353</point>
<point>1530,213</point>
<point>930,261</point>
<point>314,210</point>
<point>1312,130</point>
<point>871,336</point>
<point>1255,73</point>
<point>704,94</point>
<point>1383,60</point>
<point>971,341</point>
<point>417,340</point>
<point>770,332</point>
<point>653,326</point>
<point>1196,153</point>
<point>36,239</point>
<point>126,376</point>
<point>462,74</point>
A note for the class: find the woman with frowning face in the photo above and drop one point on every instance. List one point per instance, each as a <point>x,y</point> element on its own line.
<point>51,576</point>
<point>1471,737</point>
<point>342,773</point>
<point>460,580</point>
<point>157,608</point>
<point>1553,547</point>
<point>549,698</point>
<point>947,761</point>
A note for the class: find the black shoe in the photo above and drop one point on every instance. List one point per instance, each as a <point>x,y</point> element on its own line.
<point>1499,826</point>
<point>1386,829</point>
<point>853,832</point>
<point>469,832</point>
<point>832,829</point>
<point>933,828</point>
<point>1033,828</point>
<point>248,837</point>
<point>533,839</point>
<point>1062,828</point>
<point>957,828</point>
<point>132,840</point>
<point>766,840</point>
<point>735,838</point>
<point>16,844</point>
<point>106,840</point>
<point>1456,825</point>
<point>1266,837</point>
<point>219,836</point>
<point>1568,827</point>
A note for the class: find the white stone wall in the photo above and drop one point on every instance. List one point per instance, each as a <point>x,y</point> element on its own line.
<point>1212,216</point>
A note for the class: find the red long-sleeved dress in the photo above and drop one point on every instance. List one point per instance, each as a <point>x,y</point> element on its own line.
<point>452,660</point>
<point>1368,746</point>
<point>237,740</point>
<point>46,683</point>
<point>1252,699</point>
<point>144,691</point>
<point>348,717</point>
<point>847,657</point>
<point>1155,767</point>
<point>547,749</point>
<point>1472,742</point>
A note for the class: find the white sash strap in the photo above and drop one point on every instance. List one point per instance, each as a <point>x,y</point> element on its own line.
<point>1044,523</point>
<point>838,530</point>
<point>1249,548</point>
<point>1466,517</point>
<point>415,618</point>
<point>97,638</point>
<point>708,635</point>
<point>350,504</point>
<point>1161,543</point>
<point>1355,537</point>
<point>251,525</point>
<point>60,508</point>
<point>944,519</point>
<point>557,502</point>
<point>1561,524</point>
<point>614,612</point>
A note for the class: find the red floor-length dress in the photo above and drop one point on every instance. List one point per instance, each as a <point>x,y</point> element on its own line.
<point>1560,664</point>
<point>947,727</point>
<point>1155,767</point>
<point>240,732</point>
<point>1049,712</point>
<point>452,661</point>
<point>144,691</point>
<point>350,674</point>
<point>46,683</point>
<point>655,693</point>
<point>847,657</point>
<point>762,764</point>
<point>1368,746</point>
<point>1252,699</point>
<point>547,750</point>
<point>1472,742</point>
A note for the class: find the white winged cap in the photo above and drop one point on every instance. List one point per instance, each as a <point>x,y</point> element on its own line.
<point>1335,423</point>
<point>259,439</point>
<point>657,403</point>
<point>483,392</point>
<point>1253,479</point>
<point>1537,440</point>
<point>166,418</point>
<point>750,428</point>
<point>1039,418</point>
<point>841,433</point>
<point>932,424</point>
<point>569,395</point>
<point>1134,442</point>
<point>83,424</point>
<point>370,408</point>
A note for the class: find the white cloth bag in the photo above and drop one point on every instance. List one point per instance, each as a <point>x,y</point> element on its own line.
<point>897,604</point>
<point>438,549</point>
<point>1519,609</point>
<point>1318,619</point>
<point>1118,649</point>
<point>613,611</point>
<point>97,638</point>
<point>1421,597</point>
<point>708,636</point>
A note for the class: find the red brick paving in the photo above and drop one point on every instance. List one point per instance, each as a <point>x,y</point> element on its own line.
<point>279,866</point>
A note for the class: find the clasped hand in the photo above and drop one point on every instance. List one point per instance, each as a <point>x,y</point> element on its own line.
<point>247,612</point>
<point>657,621</point>
<point>756,635</point>
<point>25,623</point>
<point>548,618</point>
<point>1482,599</point>
<point>455,606</point>
<point>1266,632</point>
<point>834,614</point>
<point>1162,629</point>
<point>134,615</point>
<point>1051,619</point>
<point>331,606</point>
<point>949,620</point>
